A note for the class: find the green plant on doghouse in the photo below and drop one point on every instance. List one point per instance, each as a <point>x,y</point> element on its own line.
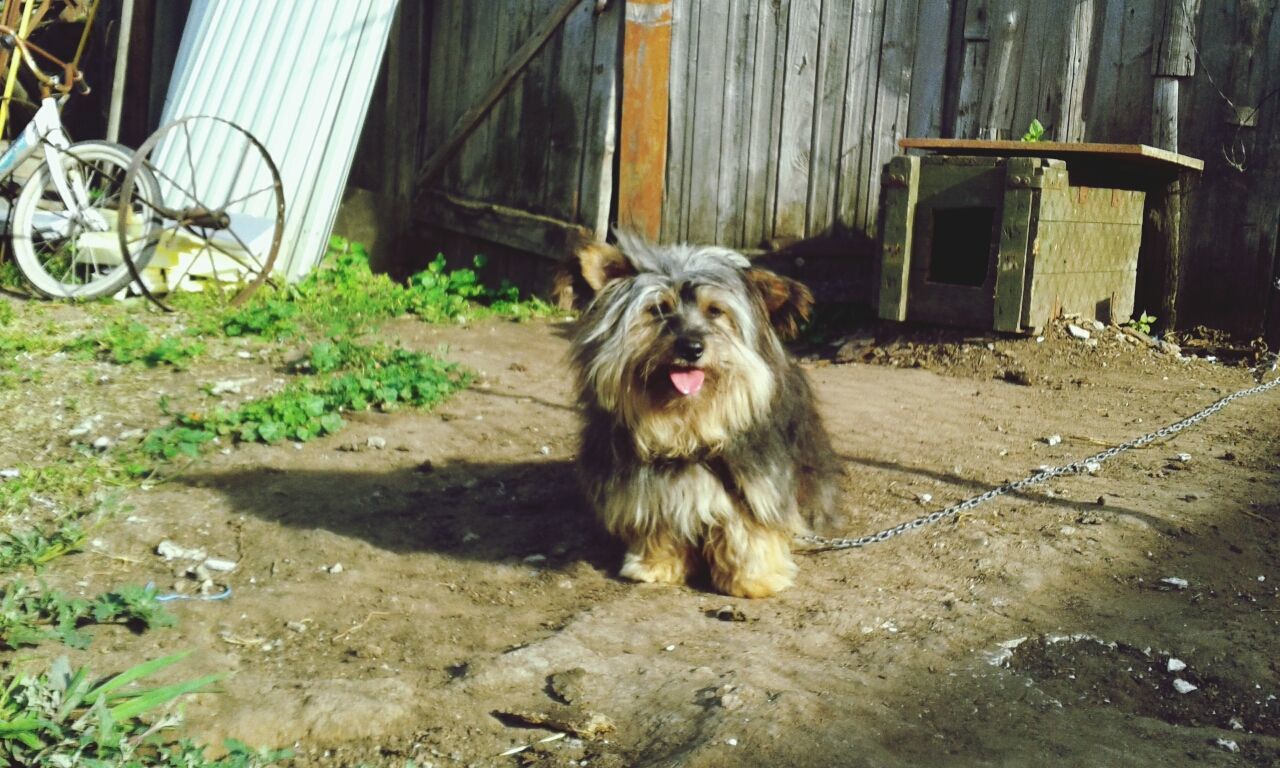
<point>1035,132</point>
<point>1142,322</point>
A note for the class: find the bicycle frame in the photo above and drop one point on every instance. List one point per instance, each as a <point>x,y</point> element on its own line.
<point>45,132</point>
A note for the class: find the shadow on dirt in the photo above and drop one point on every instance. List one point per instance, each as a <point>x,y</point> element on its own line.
<point>1107,509</point>
<point>470,510</point>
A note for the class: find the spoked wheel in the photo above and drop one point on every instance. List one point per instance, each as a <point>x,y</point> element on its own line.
<point>216,225</point>
<point>69,254</point>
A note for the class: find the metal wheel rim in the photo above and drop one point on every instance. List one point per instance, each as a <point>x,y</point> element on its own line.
<point>141,161</point>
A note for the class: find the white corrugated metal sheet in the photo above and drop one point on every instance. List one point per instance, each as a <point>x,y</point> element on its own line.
<point>298,75</point>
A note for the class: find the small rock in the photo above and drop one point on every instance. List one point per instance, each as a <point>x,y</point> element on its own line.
<point>229,386</point>
<point>218,564</point>
<point>734,742</point>
<point>569,685</point>
<point>924,498</point>
<point>535,559</point>
<point>1077,332</point>
<point>1098,325</point>
<point>669,648</point>
<point>131,434</point>
<point>1236,724</point>
<point>1228,745</point>
<point>1053,440</point>
<point>1176,665</point>
<point>1182,686</point>
<point>10,474</point>
<point>1174,581</point>
<point>244,354</point>
<point>1092,466</point>
<point>296,626</point>
<point>172,551</point>
<point>545,450</point>
<point>728,613</point>
<point>376,443</point>
<point>1182,457</point>
<point>336,568</point>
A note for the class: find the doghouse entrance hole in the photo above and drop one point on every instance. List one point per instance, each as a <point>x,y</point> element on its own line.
<point>961,252</point>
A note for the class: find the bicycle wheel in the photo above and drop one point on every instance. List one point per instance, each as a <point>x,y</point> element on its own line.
<point>221,214</point>
<point>68,254</point>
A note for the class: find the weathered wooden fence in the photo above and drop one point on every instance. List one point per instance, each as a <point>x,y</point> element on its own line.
<point>783,113</point>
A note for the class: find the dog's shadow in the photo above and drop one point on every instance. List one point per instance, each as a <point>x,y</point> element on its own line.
<point>468,510</point>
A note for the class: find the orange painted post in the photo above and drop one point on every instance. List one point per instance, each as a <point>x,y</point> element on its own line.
<point>642,148</point>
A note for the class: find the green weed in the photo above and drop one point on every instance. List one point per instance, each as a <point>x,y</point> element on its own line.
<point>63,717</point>
<point>358,378</point>
<point>128,341</point>
<point>1143,322</point>
<point>30,616</point>
<point>33,548</point>
<point>1035,132</point>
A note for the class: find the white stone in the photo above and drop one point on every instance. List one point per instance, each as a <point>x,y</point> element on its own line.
<point>1177,665</point>
<point>1182,686</point>
<point>1077,331</point>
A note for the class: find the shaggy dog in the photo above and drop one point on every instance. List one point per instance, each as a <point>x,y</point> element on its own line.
<point>701,443</point>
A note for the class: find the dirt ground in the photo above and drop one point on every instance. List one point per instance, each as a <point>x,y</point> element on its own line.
<point>476,610</point>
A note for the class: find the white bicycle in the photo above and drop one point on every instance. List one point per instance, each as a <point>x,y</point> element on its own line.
<point>64,221</point>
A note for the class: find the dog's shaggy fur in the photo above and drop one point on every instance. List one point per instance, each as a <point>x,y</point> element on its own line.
<point>701,443</point>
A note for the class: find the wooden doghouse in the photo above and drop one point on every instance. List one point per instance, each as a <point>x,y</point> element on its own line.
<point>1004,243</point>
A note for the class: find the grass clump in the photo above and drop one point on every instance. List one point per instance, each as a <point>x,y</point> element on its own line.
<point>345,297</point>
<point>350,377</point>
<point>128,341</point>
<point>37,546</point>
<point>30,616</point>
<point>63,717</point>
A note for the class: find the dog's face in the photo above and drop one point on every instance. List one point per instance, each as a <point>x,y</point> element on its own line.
<point>682,345</point>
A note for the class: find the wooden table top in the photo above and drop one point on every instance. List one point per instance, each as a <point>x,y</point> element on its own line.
<point>1139,154</point>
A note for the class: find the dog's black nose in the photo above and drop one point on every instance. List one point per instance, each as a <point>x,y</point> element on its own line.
<point>689,348</point>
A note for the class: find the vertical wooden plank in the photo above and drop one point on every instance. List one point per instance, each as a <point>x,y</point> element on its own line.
<point>569,97</point>
<point>893,94</point>
<point>734,126</point>
<point>798,84</point>
<point>601,123</point>
<point>901,192</point>
<point>504,119</point>
<point>929,69</point>
<point>709,87</point>
<point>1015,237</point>
<point>1100,105</point>
<point>869,170</point>
<point>646,61</point>
<point>529,156</point>
<point>679,118</point>
<point>438,105</point>
<point>761,150</point>
<point>1004,59</point>
<point>973,71</point>
<point>828,116</point>
<point>1075,68</point>
<point>1131,108</point>
<point>862,74</point>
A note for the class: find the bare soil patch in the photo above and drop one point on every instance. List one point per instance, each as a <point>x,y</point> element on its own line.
<point>475,608</point>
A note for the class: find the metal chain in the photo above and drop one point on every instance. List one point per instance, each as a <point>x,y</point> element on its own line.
<point>823,544</point>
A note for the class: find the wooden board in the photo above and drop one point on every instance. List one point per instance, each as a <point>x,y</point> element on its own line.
<point>1138,154</point>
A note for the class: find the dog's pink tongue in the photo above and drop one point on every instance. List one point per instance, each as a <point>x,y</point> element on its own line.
<point>687,380</point>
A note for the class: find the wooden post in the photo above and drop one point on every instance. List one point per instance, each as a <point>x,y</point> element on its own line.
<point>1015,235</point>
<point>901,187</point>
<point>1173,58</point>
<point>642,150</point>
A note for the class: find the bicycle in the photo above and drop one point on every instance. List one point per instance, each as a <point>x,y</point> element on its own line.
<point>63,224</point>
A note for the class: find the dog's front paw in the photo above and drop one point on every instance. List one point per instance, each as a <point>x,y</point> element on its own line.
<point>656,563</point>
<point>749,561</point>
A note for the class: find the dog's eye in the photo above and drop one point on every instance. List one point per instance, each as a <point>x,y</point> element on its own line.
<point>661,308</point>
<point>713,311</point>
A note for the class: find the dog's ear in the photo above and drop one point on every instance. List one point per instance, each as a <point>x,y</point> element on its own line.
<point>787,301</point>
<point>590,267</point>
